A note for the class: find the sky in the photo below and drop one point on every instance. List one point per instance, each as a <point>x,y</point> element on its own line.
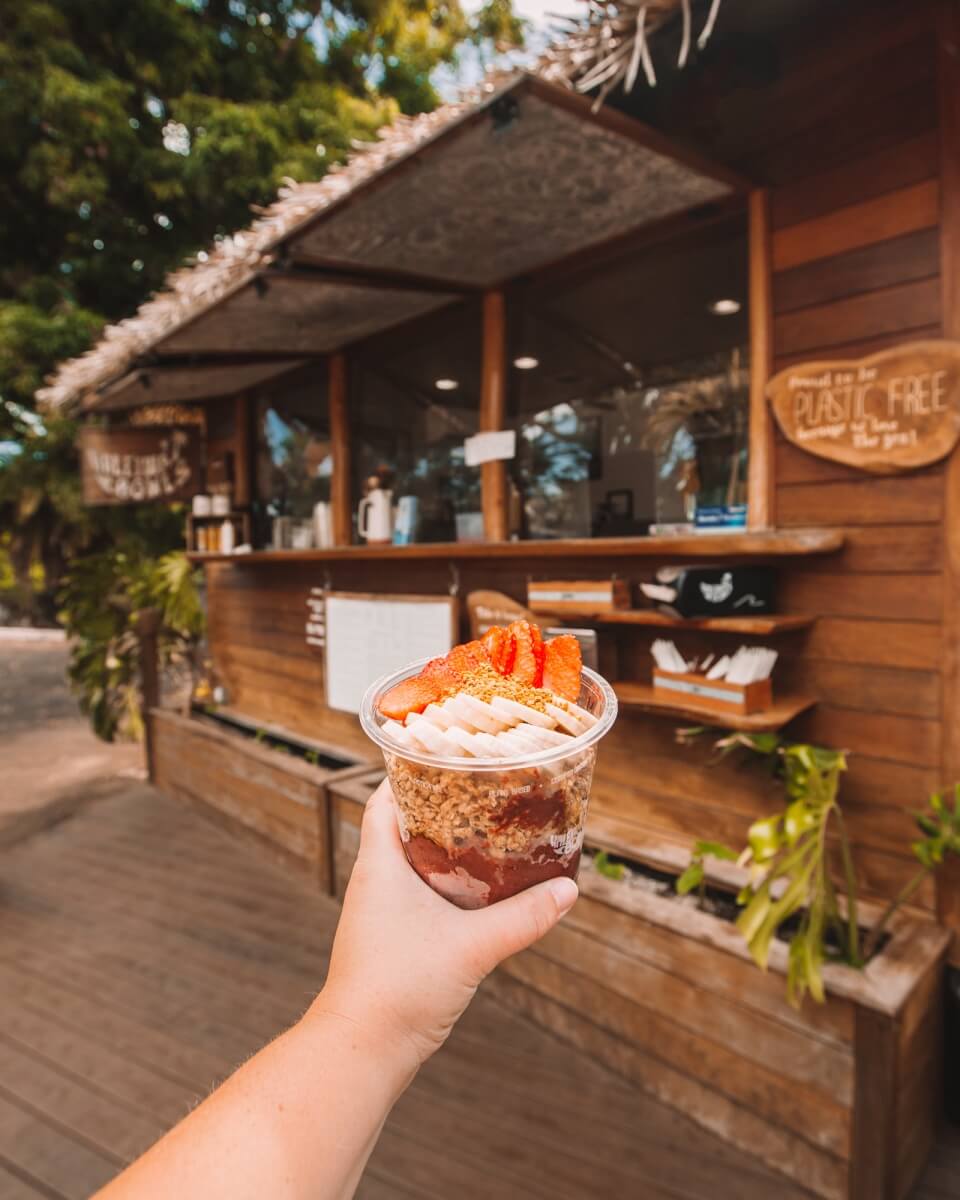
<point>537,12</point>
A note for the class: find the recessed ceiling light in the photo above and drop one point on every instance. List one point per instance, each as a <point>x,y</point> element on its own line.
<point>724,308</point>
<point>446,385</point>
<point>526,362</point>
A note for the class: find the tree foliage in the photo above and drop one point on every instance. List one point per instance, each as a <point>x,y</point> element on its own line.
<point>102,596</point>
<point>137,133</point>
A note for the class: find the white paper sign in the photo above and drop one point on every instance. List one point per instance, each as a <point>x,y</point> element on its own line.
<point>369,637</point>
<point>489,447</point>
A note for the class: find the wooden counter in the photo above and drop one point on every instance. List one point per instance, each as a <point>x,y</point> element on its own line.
<point>774,543</point>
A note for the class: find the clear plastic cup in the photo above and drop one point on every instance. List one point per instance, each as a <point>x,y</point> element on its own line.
<point>480,829</point>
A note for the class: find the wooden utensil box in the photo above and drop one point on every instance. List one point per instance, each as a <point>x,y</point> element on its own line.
<point>578,596</point>
<point>714,694</point>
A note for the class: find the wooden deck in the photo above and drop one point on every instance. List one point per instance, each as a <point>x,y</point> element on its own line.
<point>144,953</point>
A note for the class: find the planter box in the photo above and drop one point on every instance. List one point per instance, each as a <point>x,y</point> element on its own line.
<point>348,792</point>
<point>279,801</point>
<point>841,1097</point>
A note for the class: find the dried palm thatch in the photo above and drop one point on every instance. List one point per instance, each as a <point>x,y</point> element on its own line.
<point>234,261</point>
<point>609,46</point>
<point>613,43</point>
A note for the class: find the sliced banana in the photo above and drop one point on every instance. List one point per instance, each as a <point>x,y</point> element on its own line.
<point>522,712</point>
<point>466,747</point>
<point>512,744</point>
<point>584,717</point>
<point>457,708</point>
<point>545,739</point>
<point>436,716</point>
<point>522,742</point>
<point>566,720</point>
<point>430,737</point>
<point>490,744</point>
<point>396,731</point>
<point>479,715</point>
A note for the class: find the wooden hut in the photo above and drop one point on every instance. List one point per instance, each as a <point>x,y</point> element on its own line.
<point>588,276</point>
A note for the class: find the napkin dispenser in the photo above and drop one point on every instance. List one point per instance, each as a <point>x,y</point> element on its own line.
<point>726,591</point>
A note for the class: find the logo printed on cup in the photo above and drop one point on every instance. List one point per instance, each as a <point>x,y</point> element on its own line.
<point>566,843</point>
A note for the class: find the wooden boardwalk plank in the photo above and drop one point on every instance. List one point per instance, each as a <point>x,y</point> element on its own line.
<point>144,953</point>
<point>65,1165</point>
<point>14,1185</point>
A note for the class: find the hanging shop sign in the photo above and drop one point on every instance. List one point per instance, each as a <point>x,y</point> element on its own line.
<point>892,411</point>
<point>138,465</point>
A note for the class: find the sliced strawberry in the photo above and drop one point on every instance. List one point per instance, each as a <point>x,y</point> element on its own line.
<point>501,645</point>
<point>466,658</point>
<point>536,643</point>
<point>440,672</point>
<point>412,695</point>
<point>561,667</point>
<point>525,665</point>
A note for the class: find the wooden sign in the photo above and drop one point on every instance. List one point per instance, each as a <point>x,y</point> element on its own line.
<point>892,411</point>
<point>159,463</point>
<point>316,620</point>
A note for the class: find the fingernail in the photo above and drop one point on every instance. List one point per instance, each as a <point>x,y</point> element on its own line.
<point>564,892</point>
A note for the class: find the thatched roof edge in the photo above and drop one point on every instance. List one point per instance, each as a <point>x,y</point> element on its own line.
<point>606,49</point>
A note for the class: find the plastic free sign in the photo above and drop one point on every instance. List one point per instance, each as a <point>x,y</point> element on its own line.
<point>893,411</point>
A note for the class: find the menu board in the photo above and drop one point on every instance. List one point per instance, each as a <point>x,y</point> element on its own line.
<point>889,412</point>
<point>370,635</point>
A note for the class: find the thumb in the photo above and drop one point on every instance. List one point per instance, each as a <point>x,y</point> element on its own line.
<point>513,924</point>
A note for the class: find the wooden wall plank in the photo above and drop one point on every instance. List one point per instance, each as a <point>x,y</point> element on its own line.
<point>544,997</point>
<point>877,735</point>
<point>698,963</point>
<point>822,1121</point>
<point>915,645</point>
<point>874,314</point>
<point>906,693</point>
<point>915,498</point>
<point>876,220</point>
<point>865,346</point>
<point>869,126</point>
<point>909,258</point>
<point>873,1169</point>
<point>831,594</point>
<point>915,161</point>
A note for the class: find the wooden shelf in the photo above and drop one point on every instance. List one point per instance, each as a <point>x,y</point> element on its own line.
<point>643,696</point>
<point>785,543</point>
<point>765,625</point>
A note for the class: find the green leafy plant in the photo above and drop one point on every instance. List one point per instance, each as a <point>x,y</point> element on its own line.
<point>603,865</point>
<point>99,601</point>
<point>787,857</point>
<point>791,889</point>
<point>695,876</point>
<point>940,826</point>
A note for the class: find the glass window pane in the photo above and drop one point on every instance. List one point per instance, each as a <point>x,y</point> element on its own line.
<point>293,459</point>
<point>414,399</point>
<point>629,391</point>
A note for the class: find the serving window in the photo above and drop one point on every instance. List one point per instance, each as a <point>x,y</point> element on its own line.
<point>293,458</point>
<point>628,391</point>
<point>414,399</point>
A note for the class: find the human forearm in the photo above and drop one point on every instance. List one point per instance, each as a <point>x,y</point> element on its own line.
<point>298,1120</point>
